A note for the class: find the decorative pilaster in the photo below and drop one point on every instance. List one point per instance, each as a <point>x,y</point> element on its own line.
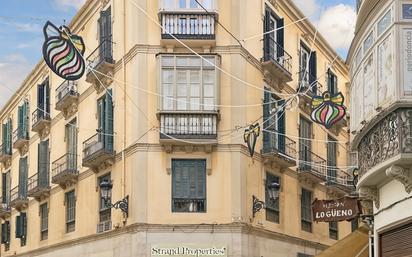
<point>402,175</point>
<point>370,193</point>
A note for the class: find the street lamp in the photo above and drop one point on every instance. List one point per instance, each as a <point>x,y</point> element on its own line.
<point>273,191</point>
<point>105,191</point>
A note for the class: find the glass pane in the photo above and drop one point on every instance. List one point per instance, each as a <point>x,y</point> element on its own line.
<point>181,77</point>
<point>194,62</point>
<point>195,76</point>
<point>209,76</point>
<point>209,104</point>
<point>195,90</point>
<point>181,103</point>
<point>181,90</point>
<point>168,61</point>
<point>181,61</point>
<point>384,23</point>
<point>209,90</point>
<point>193,4</point>
<point>209,61</point>
<point>182,3</point>
<point>207,4</point>
<point>167,76</point>
<point>195,103</point>
<point>368,42</point>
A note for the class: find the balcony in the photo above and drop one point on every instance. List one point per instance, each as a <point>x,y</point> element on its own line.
<point>67,98</point>
<point>312,167</point>
<point>21,138</point>
<point>198,27</point>
<point>40,120</point>
<point>98,152</point>
<point>65,172</point>
<point>385,150</point>
<point>339,182</point>
<point>276,63</point>
<point>5,153</point>
<point>5,210</point>
<point>100,65</point>
<point>308,87</point>
<point>195,127</point>
<point>38,187</point>
<point>18,198</point>
<point>278,149</point>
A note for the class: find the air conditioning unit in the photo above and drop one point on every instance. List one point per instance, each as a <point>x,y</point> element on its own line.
<point>104,226</point>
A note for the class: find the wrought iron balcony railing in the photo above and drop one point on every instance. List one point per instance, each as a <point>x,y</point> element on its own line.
<point>279,146</point>
<point>38,184</point>
<point>185,25</point>
<point>275,53</point>
<point>39,119</point>
<point>100,62</point>
<point>202,125</point>
<point>339,178</point>
<point>66,94</point>
<point>97,150</point>
<point>18,197</point>
<point>5,151</point>
<point>308,84</point>
<point>389,138</point>
<point>65,170</point>
<point>20,137</point>
<point>4,207</point>
<point>312,163</point>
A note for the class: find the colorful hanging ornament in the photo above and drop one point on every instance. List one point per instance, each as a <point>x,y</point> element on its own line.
<point>328,109</point>
<point>250,136</point>
<point>63,52</point>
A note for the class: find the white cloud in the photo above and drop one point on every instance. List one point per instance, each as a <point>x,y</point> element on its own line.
<point>65,4</point>
<point>308,7</point>
<point>13,70</point>
<point>337,25</point>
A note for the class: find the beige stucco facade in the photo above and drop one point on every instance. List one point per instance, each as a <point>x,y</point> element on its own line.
<point>142,165</point>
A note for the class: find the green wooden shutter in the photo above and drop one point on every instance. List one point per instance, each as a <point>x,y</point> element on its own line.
<point>189,179</point>
<point>4,187</point>
<point>19,227</point>
<point>47,93</point>
<point>23,177</point>
<point>43,163</point>
<point>266,115</point>
<point>20,121</point>
<point>8,185</point>
<point>4,136</point>
<point>313,72</point>
<point>3,233</point>
<point>25,120</point>
<point>24,224</point>
<point>280,37</point>
<point>71,133</point>
<point>9,135</point>
<point>108,142</point>
<point>101,119</point>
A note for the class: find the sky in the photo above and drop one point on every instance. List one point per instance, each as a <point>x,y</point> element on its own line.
<point>21,35</point>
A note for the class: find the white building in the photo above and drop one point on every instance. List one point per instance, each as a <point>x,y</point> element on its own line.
<point>381,119</point>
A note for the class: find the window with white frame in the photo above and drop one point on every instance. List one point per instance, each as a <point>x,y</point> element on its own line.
<point>188,83</point>
<point>186,4</point>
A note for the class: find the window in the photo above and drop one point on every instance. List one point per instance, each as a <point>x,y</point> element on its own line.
<point>407,11</point>
<point>21,228</point>
<point>44,221</point>
<point>5,235</point>
<point>23,121</point>
<point>305,144</point>
<point>274,114</point>
<point>23,173</point>
<point>307,70</point>
<point>190,80</point>
<point>333,230</point>
<point>188,185</point>
<point>43,163</point>
<point>43,100</point>
<point>306,210</point>
<point>105,121</point>
<point>105,36</point>
<point>274,40</point>
<point>272,206</point>
<point>332,83</point>
<point>355,224</point>
<point>385,22</point>
<point>332,156</point>
<point>6,184</point>
<point>71,144</point>
<point>70,211</point>
<point>367,44</point>
<point>105,212</point>
<point>187,4</point>
<point>6,148</point>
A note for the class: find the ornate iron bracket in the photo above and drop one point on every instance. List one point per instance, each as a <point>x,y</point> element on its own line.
<point>257,205</point>
<point>123,205</point>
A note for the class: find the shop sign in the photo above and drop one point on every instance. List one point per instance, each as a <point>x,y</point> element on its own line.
<point>346,208</point>
<point>188,250</point>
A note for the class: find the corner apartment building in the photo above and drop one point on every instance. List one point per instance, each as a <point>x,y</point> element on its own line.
<point>380,61</point>
<point>165,126</point>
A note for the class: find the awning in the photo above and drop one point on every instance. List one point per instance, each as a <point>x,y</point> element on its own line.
<point>353,245</point>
